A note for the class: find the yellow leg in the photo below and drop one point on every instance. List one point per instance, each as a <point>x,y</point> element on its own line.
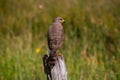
<point>59,54</point>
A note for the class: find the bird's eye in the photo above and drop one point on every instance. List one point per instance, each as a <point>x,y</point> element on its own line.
<point>61,19</point>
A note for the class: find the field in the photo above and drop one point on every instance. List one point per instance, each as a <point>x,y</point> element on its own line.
<point>91,47</point>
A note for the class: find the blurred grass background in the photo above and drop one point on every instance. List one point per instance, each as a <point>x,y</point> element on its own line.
<point>91,47</point>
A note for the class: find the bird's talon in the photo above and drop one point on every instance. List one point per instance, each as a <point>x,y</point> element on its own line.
<point>59,54</point>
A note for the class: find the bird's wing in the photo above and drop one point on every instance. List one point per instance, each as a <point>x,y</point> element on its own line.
<point>55,36</point>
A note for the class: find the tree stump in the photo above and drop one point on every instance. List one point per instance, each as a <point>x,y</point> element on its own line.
<point>54,67</point>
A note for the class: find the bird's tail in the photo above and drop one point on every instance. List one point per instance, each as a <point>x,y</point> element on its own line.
<point>52,52</point>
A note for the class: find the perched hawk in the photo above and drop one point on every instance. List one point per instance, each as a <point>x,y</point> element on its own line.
<point>55,35</point>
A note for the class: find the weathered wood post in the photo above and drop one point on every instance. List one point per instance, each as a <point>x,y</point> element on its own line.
<point>54,67</point>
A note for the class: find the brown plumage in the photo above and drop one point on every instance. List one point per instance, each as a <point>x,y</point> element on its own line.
<point>55,35</point>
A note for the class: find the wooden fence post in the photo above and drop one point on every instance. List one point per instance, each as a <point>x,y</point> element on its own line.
<point>54,67</point>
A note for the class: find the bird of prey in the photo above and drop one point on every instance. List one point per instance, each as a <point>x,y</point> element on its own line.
<point>55,36</point>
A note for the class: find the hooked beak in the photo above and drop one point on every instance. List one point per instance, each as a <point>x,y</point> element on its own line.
<point>62,21</point>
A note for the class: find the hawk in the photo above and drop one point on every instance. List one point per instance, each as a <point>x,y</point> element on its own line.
<point>55,36</point>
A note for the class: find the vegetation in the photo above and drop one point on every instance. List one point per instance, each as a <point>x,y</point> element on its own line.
<point>91,47</point>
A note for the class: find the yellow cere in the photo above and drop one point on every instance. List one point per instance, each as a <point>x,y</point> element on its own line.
<point>37,50</point>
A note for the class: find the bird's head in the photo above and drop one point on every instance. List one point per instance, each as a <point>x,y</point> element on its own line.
<point>58,19</point>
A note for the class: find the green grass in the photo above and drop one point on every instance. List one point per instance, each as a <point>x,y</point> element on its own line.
<point>91,47</point>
